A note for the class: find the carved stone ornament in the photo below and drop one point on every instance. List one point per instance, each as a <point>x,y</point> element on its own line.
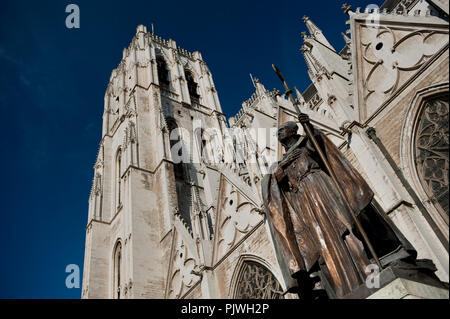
<point>431,150</point>
<point>257,282</point>
<point>389,57</point>
<point>182,277</point>
<point>237,220</point>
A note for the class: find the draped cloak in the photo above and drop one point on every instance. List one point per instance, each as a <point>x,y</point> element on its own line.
<point>307,216</point>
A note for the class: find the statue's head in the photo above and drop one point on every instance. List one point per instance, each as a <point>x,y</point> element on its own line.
<point>286,132</point>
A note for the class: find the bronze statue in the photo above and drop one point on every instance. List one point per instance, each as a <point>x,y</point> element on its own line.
<point>312,226</point>
<point>324,221</point>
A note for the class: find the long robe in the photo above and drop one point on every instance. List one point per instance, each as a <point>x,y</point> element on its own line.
<point>308,219</point>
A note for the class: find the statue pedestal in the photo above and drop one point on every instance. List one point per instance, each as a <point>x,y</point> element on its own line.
<point>402,288</point>
<point>403,283</point>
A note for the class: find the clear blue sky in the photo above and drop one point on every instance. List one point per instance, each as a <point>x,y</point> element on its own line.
<point>52,84</point>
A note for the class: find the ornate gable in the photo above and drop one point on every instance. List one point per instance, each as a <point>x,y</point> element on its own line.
<point>183,263</point>
<point>388,50</point>
<point>236,218</point>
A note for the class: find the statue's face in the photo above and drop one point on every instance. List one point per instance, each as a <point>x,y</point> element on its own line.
<point>282,134</point>
<point>286,131</point>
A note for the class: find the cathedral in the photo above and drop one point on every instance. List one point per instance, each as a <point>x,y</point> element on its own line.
<point>175,209</point>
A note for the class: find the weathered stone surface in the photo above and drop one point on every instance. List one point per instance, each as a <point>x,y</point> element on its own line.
<point>402,288</point>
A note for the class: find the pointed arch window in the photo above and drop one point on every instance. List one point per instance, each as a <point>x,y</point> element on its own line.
<point>431,150</point>
<point>181,172</point>
<point>192,85</point>
<point>98,195</point>
<point>255,281</point>
<point>174,131</point>
<point>202,139</point>
<point>117,270</point>
<point>117,178</point>
<point>163,71</point>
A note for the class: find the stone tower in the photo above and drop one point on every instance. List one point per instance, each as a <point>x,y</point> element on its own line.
<point>140,191</point>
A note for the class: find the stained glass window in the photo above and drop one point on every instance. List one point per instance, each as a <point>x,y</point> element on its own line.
<point>257,282</point>
<point>431,150</point>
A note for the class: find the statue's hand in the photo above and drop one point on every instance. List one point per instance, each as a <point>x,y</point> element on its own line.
<point>303,118</point>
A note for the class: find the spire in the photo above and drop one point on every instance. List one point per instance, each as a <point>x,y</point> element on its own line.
<point>299,96</point>
<point>315,67</point>
<point>313,29</point>
<point>260,89</point>
<point>316,33</point>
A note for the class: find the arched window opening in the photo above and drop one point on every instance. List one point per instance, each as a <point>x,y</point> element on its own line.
<point>117,270</point>
<point>174,147</point>
<point>183,187</point>
<point>98,196</point>
<point>431,150</point>
<point>202,140</point>
<point>118,179</point>
<point>192,86</point>
<point>255,281</point>
<point>163,71</point>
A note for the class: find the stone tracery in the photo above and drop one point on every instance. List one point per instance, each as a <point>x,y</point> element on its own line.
<point>257,282</point>
<point>431,147</point>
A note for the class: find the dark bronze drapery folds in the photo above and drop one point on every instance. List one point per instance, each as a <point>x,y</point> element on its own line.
<point>311,225</point>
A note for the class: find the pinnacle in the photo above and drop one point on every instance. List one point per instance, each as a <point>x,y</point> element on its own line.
<point>346,38</point>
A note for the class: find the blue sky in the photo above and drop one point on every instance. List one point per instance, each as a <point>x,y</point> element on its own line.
<point>52,84</point>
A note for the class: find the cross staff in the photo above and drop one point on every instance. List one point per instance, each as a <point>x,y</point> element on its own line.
<point>327,165</point>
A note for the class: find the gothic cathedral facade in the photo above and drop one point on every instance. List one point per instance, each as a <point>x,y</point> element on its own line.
<point>161,228</point>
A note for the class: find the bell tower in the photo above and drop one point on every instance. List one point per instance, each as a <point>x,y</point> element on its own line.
<point>148,192</point>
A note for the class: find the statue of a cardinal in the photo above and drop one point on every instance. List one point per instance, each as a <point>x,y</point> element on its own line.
<point>311,226</point>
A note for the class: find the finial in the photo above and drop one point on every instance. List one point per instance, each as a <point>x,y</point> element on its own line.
<point>304,36</point>
<point>305,18</point>
<point>305,48</point>
<point>346,8</point>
